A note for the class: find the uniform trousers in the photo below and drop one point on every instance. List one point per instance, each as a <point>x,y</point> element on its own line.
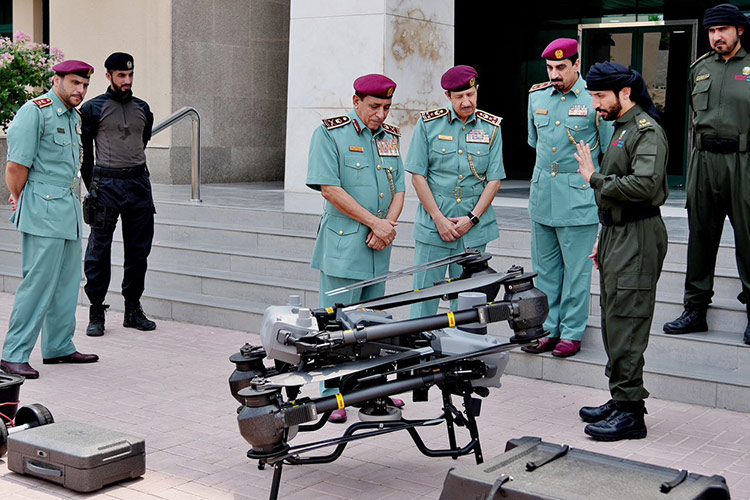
<point>423,253</point>
<point>46,299</point>
<point>131,200</point>
<point>630,262</point>
<point>560,256</point>
<point>718,186</point>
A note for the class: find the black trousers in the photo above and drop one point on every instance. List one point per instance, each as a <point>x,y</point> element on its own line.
<point>132,202</point>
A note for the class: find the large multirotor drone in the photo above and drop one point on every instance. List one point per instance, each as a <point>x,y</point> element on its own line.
<point>370,356</point>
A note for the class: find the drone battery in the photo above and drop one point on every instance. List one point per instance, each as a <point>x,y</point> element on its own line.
<point>76,456</point>
<point>532,469</point>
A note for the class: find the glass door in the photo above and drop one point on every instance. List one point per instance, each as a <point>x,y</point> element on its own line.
<point>662,52</point>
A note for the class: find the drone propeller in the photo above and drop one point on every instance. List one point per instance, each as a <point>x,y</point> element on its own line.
<point>433,292</point>
<point>407,271</point>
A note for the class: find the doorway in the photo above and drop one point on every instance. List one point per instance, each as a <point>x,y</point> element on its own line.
<point>662,52</point>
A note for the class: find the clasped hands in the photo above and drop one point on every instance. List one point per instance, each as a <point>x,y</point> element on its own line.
<point>452,228</point>
<point>382,235</point>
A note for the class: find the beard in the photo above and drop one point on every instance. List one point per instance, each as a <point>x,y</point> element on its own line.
<point>611,113</point>
<point>725,47</point>
<point>120,92</point>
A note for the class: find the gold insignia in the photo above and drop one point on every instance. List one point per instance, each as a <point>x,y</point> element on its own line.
<point>433,114</point>
<point>357,127</point>
<point>644,123</point>
<point>336,121</point>
<point>541,111</point>
<point>700,78</point>
<point>540,86</point>
<point>42,102</point>
<point>391,129</point>
<point>495,120</point>
<point>472,82</point>
<point>389,92</point>
<point>445,137</point>
<point>746,71</point>
<point>559,54</point>
<point>130,64</point>
<point>357,149</point>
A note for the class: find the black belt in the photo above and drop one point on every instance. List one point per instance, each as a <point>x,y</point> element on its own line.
<point>723,146</point>
<point>120,173</point>
<point>629,214</point>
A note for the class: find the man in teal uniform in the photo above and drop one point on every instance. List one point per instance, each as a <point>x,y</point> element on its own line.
<point>564,218</point>
<point>44,147</point>
<point>456,162</point>
<point>718,181</point>
<point>630,251</point>
<point>355,162</point>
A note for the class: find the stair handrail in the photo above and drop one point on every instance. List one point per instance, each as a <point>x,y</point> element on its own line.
<point>195,145</point>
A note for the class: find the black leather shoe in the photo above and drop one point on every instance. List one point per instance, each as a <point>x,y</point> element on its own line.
<point>76,357</point>
<point>23,369</point>
<point>96,320</point>
<point>692,319</point>
<point>134,317</point>
<point>619,425</point>
<point>747,334</point>
<point>593,414</point>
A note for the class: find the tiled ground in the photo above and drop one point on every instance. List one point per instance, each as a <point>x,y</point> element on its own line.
<point>170,386</point>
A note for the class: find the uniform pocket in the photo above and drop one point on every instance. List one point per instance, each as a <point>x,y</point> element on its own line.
<point>581,196</point>
<point>699,96</point>
<point>50,201</point>
<point>635,295</point>
<point>356,171</point>
<point>541,120</point>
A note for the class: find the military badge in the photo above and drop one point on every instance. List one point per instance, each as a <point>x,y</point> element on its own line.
<point>387,147</point>
<point>620,141</point>
<point>542,111</point>
<point>700,78</point>
<point>391,129</point>
<point>578,110</point>
<point>42,102</point>
<point>559,54</point>
<point>357,149</point>
<point>445,137</point>
<point>478,135</point>
<point>336,121</point>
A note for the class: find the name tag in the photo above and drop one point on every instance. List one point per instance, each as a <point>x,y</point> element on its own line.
<point>700,78</point>
<point>578,110</point>
<point>357,149</point>
<point>541,111</point>
<point>445,137</point>
<point>387,147</point>
<point>478,135</point>
<point>61,130</point>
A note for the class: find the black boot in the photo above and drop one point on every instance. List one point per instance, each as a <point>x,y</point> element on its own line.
<point>134,317</point>
<point>96,320</point>
<point>593,414</point>
<point>692,319</point>
<point>626,422</point>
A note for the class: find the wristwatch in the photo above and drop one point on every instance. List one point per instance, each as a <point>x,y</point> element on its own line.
<point>473,218</point>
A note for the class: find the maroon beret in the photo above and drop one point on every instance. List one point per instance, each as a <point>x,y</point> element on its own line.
<point>79,68</point>
<point>459,78</point>
<point>562,48</point>
<point>379,86</point>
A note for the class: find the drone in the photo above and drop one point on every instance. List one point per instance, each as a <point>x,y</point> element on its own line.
<point>370,356</point>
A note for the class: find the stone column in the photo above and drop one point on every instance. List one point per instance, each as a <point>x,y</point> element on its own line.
<point>332,43</point>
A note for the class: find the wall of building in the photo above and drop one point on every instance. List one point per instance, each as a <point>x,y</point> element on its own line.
<point>230,63</point>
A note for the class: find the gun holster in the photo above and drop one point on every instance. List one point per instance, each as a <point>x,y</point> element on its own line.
<point>94,213</point>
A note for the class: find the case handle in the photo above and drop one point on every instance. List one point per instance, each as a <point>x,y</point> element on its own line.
<point>43,471</point>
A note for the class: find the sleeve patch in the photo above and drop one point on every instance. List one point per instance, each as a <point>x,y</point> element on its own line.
<point>540,86</point>
<point>336,121</point>
<point>495,120</point>
<point>42,102</point>
<point>433,114</point>
<point>392,129</point>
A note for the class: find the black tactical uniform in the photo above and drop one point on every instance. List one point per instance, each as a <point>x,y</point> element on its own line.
<point>118,183</point>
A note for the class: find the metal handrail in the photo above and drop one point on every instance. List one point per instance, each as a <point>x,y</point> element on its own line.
<point>195,146</point>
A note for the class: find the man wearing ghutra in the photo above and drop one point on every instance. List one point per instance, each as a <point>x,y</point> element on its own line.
<point>630,251</point>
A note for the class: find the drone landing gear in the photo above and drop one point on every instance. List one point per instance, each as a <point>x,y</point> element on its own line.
<point>451,416</point>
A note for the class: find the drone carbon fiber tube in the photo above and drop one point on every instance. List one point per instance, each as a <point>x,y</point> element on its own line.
<point>483,314</point>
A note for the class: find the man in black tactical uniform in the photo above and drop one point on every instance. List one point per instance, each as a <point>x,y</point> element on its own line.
<point>116,176</point>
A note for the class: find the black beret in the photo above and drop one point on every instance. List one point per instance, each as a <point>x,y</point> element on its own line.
<point>119,61</point>
<point>724,14</point>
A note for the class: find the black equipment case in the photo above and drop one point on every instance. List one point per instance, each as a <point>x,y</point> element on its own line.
<point>531,469</point>
<point>77,456</point>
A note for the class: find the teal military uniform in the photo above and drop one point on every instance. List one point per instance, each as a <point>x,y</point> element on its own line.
<point>457,159</point>
<point>632,245</point>
<point>45,137</point>
<point>368,166</point>
<point>561,203</point>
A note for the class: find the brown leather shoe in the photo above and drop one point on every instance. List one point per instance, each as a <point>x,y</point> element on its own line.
<point>76,357</point>
<point>545,344</point>
<point>566,348</point>
<point>23,369</point>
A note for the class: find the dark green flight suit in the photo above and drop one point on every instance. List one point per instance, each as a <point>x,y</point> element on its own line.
<point>629,189</point>
<point>718,181</point>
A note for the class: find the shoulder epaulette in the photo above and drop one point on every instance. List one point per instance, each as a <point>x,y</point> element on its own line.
<point>42,102</point>
<point>336,121</point>
<point>704,56</point>
<point>540,86</point>
<point>392,129</point>
<point>495,120</point>
<point>433,113</point>
<point>644,123</point>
